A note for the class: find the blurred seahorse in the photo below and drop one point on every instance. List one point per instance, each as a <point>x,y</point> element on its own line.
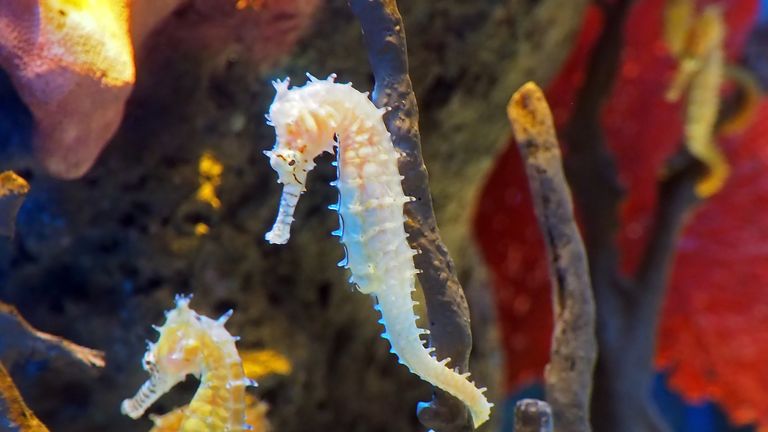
<point>698,45</point>
<point>193,344</point>
<point>371,199</point>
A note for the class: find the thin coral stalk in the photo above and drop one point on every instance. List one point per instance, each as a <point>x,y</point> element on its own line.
<point>568,375</point>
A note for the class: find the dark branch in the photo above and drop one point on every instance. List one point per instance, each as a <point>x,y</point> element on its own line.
<point>533,415</point>
<point>384,35</point>
<point>568,376</point>
<point>676,200</point>
<point>591,169</point>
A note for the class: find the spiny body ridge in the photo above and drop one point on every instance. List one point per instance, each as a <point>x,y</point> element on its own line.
<point>192,344</point>
<point>370,207</point>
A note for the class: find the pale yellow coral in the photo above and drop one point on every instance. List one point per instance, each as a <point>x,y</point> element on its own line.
<point>201,229</point>
<point>260,363</point>
<point>90,37</point>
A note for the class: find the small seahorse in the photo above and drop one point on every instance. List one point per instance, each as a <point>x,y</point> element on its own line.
<point>701,72</point>
<point>370,208</point>
<point>191,344</point>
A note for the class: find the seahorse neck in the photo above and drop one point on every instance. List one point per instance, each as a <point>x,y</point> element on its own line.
<point>349,114</point>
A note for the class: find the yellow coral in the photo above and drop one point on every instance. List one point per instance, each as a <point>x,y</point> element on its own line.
<point>260,363</point>
<point>90,37</point>
<point>201,229</point>
<point>12,184</point>
<point>209,170</point>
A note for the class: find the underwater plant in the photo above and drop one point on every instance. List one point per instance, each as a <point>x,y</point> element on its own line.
<point>323,116</point>
<point>192,344</point>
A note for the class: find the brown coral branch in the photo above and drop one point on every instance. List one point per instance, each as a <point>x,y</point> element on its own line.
<point>384,35</point>
<point>13,409</point>
<point>568,376</point>
<point>533,415</point>
<point>21,339</point>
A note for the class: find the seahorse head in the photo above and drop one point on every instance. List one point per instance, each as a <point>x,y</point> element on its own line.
<point>301,126</point>
<point>178,351</point>
<point>176,354</point>
<point>304,128</point>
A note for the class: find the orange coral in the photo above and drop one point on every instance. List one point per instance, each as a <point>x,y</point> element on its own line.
<point>12,184</point>
<point>14,407</point>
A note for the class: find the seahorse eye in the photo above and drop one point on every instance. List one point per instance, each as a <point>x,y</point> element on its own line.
<point>148,361</point>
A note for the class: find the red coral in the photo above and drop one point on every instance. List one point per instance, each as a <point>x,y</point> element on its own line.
<point>714,323</point>
<point>716,312</point>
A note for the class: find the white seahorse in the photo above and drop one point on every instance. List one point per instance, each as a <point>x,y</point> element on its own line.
<point>370,208</point>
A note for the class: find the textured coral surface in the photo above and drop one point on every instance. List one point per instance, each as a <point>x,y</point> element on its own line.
<point>715,321</point>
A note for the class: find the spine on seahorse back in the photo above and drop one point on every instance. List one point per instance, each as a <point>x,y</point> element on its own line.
<point>370,207</point>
